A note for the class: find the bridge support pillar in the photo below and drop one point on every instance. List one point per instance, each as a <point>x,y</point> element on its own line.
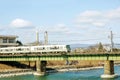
<point>108,70</point>
<point>40,68</point>
<point>29,64</point>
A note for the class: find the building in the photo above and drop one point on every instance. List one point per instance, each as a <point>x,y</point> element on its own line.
<point>6,41</point>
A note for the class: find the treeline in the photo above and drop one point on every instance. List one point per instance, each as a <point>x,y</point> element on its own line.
<point>98,48</point>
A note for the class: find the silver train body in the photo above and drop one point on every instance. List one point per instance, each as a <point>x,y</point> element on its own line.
<point>36,49</point>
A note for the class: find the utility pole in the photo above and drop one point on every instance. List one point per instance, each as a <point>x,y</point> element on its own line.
<point>111,39</point>
<point>46,38</point>
<point>37,38</point>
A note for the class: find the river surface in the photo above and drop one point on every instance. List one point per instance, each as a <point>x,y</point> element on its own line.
<point>70,75</point>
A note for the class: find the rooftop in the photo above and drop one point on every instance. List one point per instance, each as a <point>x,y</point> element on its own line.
<point>8,36</point>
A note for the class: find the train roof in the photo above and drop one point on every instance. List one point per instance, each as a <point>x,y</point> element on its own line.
<point>33,46</point>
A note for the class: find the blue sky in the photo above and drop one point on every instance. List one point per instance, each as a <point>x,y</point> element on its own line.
<point>67,21</point>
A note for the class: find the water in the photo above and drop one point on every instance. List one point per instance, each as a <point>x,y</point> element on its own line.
<point>72,75</point>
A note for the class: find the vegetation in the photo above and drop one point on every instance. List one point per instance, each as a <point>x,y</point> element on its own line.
<point>19,43</point>
<point>100,47</point>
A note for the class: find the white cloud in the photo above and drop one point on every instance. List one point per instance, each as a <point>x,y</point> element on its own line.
<point>113,14</point>
<point>58,28</point>
<point>90,13</point>
<point>98,23</point>
<point>62,27</point>
<point>97,18</point>
<point>3,27</point>
<point>20,23</point>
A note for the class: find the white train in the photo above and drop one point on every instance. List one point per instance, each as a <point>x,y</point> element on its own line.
<point>36,49</point>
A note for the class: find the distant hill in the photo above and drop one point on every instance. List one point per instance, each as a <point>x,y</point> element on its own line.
<point>74,46</point>
<point>117,45</point>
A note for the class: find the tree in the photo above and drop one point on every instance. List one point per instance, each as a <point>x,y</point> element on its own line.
<point>100,47</point>
<point>19,43</point>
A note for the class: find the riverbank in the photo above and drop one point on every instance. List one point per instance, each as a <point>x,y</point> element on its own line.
<point>18,72</point>
<point>15,72</point>
<point>69,68</point>
<point>73,69</point>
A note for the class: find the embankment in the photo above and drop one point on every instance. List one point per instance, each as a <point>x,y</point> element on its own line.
<point>15,72</point>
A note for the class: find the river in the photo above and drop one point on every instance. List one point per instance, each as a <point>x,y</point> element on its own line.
<point>70,75</point>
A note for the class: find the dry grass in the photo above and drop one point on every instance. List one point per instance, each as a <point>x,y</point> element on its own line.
<point>4,67</point>
<point>77,64</point>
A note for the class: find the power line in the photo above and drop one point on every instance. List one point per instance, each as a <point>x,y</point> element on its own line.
<point>116,37</point>
<point>78,40</point>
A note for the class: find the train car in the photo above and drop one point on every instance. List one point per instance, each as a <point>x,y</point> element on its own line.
<point>14,50</point>
<point>22,49</point>
<point>50,48</point>
<point>36,49</point>
<point>6,50</point>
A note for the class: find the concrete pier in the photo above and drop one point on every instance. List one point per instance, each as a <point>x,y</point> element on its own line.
<point>29,64</point>
<point>109,70</point>
<point>40,68</point>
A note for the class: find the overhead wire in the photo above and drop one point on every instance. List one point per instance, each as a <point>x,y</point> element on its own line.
<point>76,40</point>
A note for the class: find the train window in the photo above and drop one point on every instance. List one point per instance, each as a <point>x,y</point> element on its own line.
<point>27,48</point>
<point>12,50</point>
<point>43,47</point>
<point>33,48</point>
<point>55,47</point>
<point>61,47</point>
<point>9,49</point>
<point>48,48</point>
<point>38,48</point>
<point>19,49</point>
<point>23,49</point>
<point>6,49</point>
<point>0,50</point>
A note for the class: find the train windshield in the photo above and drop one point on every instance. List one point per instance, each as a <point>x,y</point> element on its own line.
<point>68,47</point>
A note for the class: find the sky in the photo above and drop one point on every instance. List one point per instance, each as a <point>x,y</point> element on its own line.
<point>66,21</point>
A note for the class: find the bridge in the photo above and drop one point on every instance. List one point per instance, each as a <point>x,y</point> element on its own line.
<point>70,56</point>
<point>41,59</point>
